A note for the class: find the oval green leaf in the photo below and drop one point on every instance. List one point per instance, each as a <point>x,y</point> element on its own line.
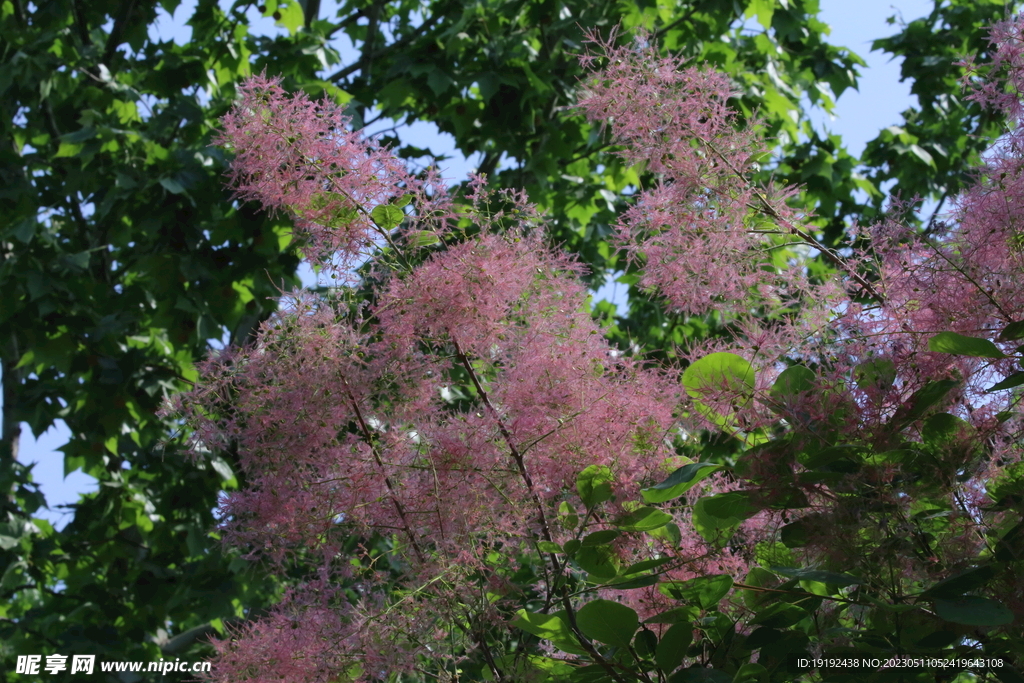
<point>973,611</point>
<point>878,373</point>
<point>608,622</point>
<point>720,371</point>
<point>792,381</point>
<point>679,482</point>
<point>594,485</point>
<point>387,216</point>
<point>644,519</point>
<point>551,627</point>
<point>672,647</point>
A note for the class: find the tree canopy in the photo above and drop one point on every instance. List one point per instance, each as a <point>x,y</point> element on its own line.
<point>124,259</point>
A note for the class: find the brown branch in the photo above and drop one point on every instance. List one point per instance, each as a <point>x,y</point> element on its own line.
<point>517,456</point>
<point>769,210</point>
<point>368,435</point>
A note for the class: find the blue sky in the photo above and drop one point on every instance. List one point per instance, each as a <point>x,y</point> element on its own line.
<point>859,117</point>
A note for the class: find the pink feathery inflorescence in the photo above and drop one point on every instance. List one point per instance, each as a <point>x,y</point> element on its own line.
<point>299,156</point>
<point>452,411</point>
<point>690,234</point>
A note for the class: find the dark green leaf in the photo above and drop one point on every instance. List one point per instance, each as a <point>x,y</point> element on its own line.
<point>608,622</point>
<point>643,519</point>
<point>1013,331</point>
<point>973,611</point>
<point>594,485</point>
<point>926,397</point>
<point>599,561</point>
<point>832,578</point>
<point>552,627</point>
<point>878,373</point>
<point>1014,380</point>
<point>779,615</point>
<point>698,674</point>
<point>674,616</point>
<point>672,647</point>
<point>716,517</point>
<point>795,535</point>
<point>600,537</point>
<point>705,591</point>
<point>679,482</point>
<point>793,381</point>
<point>963,582</point>
<point>951,342</point>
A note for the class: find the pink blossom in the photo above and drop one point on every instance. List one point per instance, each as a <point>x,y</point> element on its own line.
<point>297,155</point>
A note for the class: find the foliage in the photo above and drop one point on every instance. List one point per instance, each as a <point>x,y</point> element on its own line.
<point>123,260</point>
<point>455,402</point>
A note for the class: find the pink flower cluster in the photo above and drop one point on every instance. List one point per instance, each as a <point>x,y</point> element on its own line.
<point>452,414</point>
<point>692,235</point>
<point>296,155</point>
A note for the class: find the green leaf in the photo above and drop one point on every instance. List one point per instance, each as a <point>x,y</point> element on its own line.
<point>291,15</point>
<point>439,81</point>
<point>763,9</point>
<point>793,381</point>
<point>794,535</point>
<point>942,429</point>
<point>705,591</point>
<point>973,611</point>
<point>926,397</point>
<point>718,372</point>
<point>675,615</point>
<point>672,647</point>
<point>552,627</point>
<point>732,505</point>
<point>779,615</point>
<point>599,561</point>
<point>567,515</point>
<point>600,537</point>
<point>646,643</point>
<point>387,216</point>
<point>951,342</point>
<point>645,565</point>
<point>751,672</point>
<point>878,373</point>
<point>1014,380</point>
<point>679,482</point>
<point>1013,331</point>
<point>922,154</point>
<point>841,580</point>
<point>964,582</point>
<point>669,533</point>
<point>608,622</point>
<point>762,636</point>
<point>421,238</point>
<point>644,519</point>
<point>68,149</point>
<point>716,517</point>
<point>172,186</point>
<point>594,485</point>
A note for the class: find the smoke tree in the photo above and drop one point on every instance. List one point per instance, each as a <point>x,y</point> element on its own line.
<point>463,478</point>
